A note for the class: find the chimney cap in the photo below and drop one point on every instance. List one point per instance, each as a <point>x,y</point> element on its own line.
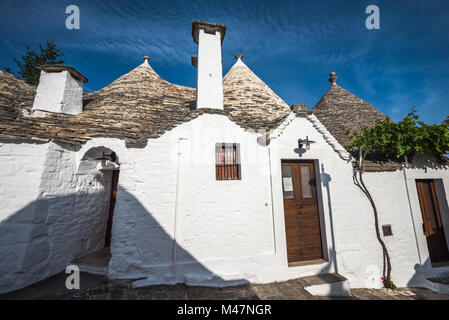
<point>239,56</point>
<point>333,78</point>
<point>60,67</point>
<point>146,58</point>
<point>194,60</point>
<point>208,27</point>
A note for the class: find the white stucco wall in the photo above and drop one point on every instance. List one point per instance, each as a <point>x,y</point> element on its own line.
<point>225,231</point>
<point>358,253</point>
<point>408,245</point>
<point>59,92</point>
<point>420,169</point>
<point>21,167</point>
<point>52,212</point>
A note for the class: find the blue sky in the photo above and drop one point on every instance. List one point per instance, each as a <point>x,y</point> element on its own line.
<point>291,45</point>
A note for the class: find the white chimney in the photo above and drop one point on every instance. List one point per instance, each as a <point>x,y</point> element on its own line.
<point>60,90</point>
<point>209,88</point>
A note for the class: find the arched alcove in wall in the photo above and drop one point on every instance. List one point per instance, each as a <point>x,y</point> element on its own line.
<point>96,179</point>
<point>100,159</point>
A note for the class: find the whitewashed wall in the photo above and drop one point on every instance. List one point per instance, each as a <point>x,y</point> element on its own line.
<point>225,231</point>
<point>420,169</point>
<point>349,218</point>
<point>21,167</point>
<point>52,215</point>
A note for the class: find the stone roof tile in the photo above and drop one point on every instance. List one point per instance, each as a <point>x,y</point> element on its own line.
<point>249,100</point>
<point>344,113</point>
<point>136,107</point>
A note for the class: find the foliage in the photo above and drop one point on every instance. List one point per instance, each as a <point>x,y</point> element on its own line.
<point>405,138</point>
<point>393,286</point>
<point>48,54</point>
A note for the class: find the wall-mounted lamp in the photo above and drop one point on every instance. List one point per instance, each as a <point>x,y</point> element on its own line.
<point>306,142</point>
<point>111,157</point>
<point>108,161</point>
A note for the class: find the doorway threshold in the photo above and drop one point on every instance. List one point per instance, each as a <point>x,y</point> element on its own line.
<point>306,263</point>
<point>96,262</point>
<point>440,264</point>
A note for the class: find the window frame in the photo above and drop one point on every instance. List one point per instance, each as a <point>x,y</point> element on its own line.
<point>227,171</point>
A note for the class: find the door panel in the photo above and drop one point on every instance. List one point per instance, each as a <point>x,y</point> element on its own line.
<point>302,224</point>
<point>433,226</point>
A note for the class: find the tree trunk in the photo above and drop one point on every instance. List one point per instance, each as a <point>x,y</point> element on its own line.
<point>387,277</point>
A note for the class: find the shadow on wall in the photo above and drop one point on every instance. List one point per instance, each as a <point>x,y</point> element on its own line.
<point>338,287</point>
<point>429,162</point>
<point>426,271</point>
<point>300,151</point>
<point>326,179</point>
<point>142,248</point>
<point>42,238</point>
<point>421,274</point>
<point>32,248</point>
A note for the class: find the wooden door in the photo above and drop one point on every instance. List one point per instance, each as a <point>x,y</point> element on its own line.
<point>433,226</point>
<point>302,224</point>
<point>115,174</point>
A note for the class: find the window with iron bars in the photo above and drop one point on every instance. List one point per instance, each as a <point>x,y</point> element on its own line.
<point>227,161</point>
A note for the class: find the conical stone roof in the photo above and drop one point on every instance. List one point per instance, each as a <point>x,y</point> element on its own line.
<point>343,113</point>
<point>136,107</point>
<point>248,99</point>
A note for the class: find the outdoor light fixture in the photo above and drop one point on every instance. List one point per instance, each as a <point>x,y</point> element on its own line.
<point>306,142</point>
<point>111,157</point>
<point>108,161</point>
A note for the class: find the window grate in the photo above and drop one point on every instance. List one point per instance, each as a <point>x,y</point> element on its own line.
<point>227,161</point>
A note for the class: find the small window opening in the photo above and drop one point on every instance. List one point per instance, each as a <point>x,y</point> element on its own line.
<point>227,161</point>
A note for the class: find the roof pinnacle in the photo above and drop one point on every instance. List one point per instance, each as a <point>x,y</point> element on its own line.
<point>239,56</point>
<point>333,78</point>
<point>146,58</point>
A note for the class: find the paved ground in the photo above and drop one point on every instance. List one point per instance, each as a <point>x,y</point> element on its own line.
<point>95,287</point>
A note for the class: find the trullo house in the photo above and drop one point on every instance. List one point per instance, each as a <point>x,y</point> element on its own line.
<point>214,185</point>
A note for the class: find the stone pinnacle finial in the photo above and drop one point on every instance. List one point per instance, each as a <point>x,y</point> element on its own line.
<point>333,78</point>
<point>239,56</point>
<point>146,58</point>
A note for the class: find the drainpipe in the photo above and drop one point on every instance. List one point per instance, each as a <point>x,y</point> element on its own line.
<point>176,210</point>
<point>360,158</point>
<point>272,204</point>
<point>405,165</point>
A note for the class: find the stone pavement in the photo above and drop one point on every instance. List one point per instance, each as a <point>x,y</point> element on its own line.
<point>97,287</point>
<point>401,294</point>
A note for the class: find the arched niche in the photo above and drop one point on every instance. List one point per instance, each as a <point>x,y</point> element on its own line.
<point>98,159</point>
<point>96,184</point>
